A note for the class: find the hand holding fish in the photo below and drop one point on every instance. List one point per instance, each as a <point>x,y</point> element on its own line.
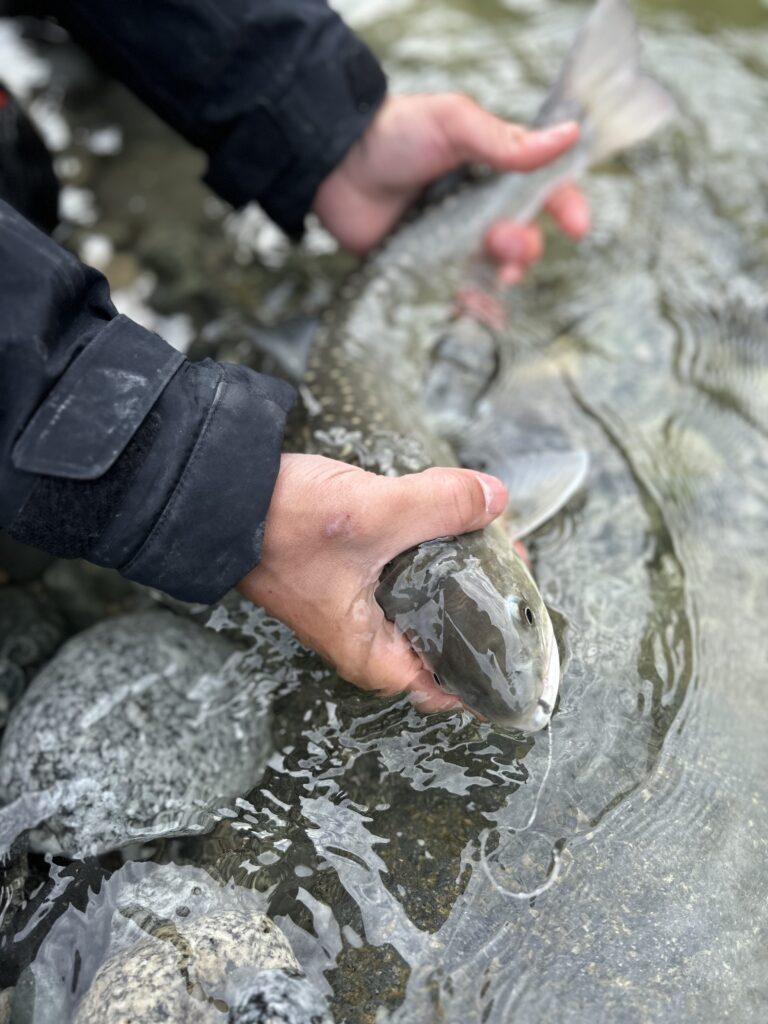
<point>414,139</point>
<point>330,530</point>
<point>355,562</point>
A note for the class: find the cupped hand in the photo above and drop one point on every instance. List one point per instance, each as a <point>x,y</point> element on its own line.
<point>414,139</point>
<point>330,530</point>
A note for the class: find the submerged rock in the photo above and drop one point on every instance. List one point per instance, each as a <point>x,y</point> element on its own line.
<point>6,1000</point>
<point>167,943</point>
<point>274,997</point>
<point>147,721</point>
<point>30,631</point>
<point>179,972</point>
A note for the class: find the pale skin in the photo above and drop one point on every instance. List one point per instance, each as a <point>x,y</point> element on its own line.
<point>331,527</point>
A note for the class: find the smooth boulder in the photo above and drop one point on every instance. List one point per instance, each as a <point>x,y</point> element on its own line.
<point>144,724</point>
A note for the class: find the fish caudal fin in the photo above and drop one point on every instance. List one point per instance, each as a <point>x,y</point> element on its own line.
<point>601,85</point>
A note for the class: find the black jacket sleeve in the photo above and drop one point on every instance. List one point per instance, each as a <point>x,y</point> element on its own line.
<point>274,91</point>
<point>115,448</point>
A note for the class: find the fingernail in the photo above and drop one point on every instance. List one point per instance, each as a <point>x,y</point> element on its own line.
<point>561,131</point>
<point>495,493</point>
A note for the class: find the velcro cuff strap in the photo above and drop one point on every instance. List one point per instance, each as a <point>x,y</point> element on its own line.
<point>209,533</point>
<point>97,405</point>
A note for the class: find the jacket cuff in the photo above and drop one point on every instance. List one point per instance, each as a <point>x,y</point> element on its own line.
<point>328,104</point>
<point>209,534</point>
<point>158,467</point>
<point>97,405</point>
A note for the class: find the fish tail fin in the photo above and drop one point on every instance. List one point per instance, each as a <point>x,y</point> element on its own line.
<point>601,85</point>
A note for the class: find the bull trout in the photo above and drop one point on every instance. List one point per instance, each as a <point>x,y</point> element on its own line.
<point>467,604</point>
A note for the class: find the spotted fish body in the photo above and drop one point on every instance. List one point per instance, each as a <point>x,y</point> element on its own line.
<point>467,604</point>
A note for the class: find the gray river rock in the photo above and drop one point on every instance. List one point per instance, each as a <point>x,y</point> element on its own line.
<point>159,944</point>
<point>136,729</point>
<point>180,971</point>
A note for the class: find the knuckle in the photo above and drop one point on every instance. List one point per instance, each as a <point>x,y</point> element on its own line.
<point>461,102</point>
<point>462,499</point>
<point>463,110</point>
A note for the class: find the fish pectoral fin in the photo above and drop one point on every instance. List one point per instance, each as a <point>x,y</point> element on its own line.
<point>287,345</point>
<point>539,485</point>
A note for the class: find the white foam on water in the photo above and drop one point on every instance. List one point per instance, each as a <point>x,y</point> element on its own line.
<point>22,70</point>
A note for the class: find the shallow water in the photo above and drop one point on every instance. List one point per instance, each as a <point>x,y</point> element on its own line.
<point>613,867</point>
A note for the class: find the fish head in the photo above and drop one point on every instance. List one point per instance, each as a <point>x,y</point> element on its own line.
<point>470,607</point>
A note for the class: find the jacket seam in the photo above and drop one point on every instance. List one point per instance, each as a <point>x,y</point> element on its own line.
<point>179,489</point>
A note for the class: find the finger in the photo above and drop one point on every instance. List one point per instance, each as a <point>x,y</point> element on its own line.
<point>424,691</point>
<point>428,698</point>
<point>510,242</point>
<point>436,503</point>
<point>510,275</point>
<point>473,134</point>
<point>394,667</point>
<point>570,211</point>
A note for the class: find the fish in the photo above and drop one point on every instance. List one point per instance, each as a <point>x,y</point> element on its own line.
<point>468,604</point>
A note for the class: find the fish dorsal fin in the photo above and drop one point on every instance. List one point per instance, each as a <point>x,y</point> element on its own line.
<point>539,485</point>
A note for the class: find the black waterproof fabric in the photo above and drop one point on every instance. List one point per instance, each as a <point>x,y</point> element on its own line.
<point>114,447</point>
<point>274,91</point>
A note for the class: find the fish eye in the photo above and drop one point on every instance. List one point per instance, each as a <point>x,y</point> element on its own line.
<point>530,618</point>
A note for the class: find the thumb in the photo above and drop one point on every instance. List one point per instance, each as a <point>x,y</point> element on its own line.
<point>475,135</point>
<point>437,503</point>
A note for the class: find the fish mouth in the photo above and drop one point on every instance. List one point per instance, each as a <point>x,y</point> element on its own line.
<point>538,718</point>
<point>531,718</point>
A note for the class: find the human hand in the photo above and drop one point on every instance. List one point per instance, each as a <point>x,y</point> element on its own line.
<point>414,139</point>
<point>330,530</point>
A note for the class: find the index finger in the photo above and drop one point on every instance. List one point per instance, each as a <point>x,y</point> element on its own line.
<point>474,134</point>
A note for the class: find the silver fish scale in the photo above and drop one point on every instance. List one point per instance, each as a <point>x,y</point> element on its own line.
<point>366,370</point>
<point>364,381</point>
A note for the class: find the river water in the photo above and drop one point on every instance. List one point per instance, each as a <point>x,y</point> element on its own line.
<point>612,868</point>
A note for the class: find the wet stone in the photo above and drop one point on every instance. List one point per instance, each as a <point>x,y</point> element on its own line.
<point>140,727</point>
<point>179,972</point>
<point>6,1000</point>
<point>274,997</point>
<point>14,871</point>
<point>166,943</point>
